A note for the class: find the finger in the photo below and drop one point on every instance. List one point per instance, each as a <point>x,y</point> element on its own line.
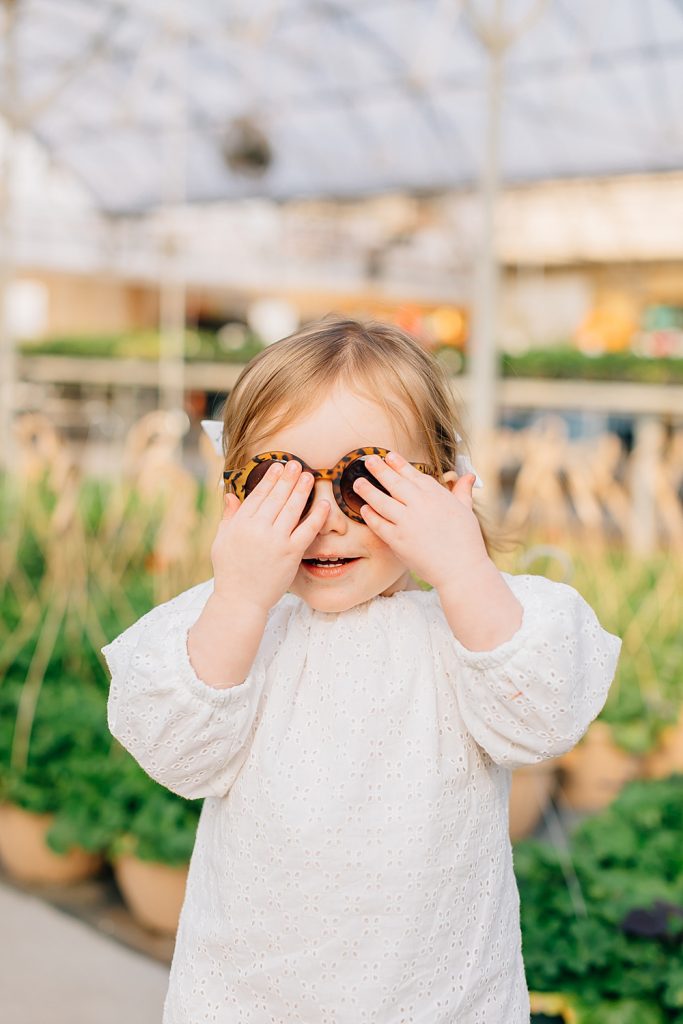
<point>463,489</point>
<point>293,506</point>
<point>273,503</point>
<point>395,482</point>
<point>265,485</point>
<point>376,522</point>
<point>230,505</point>
<point>404,469</point>
<point>388,507</point>
<point>311,525</point>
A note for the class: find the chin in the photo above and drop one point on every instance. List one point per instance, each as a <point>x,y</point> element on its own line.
<point>332,602</point>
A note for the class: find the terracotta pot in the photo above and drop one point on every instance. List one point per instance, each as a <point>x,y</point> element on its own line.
<point>531,789</point>
<point>595,770</point>
<point>153,892</point>
<point>27,857</point>
<point>667,757</point>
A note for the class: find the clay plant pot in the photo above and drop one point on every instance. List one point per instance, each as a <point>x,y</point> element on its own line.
<point>667,757</point>
<point>595,770</point>
<point>27,857</point>
<point>153,892</point>
<point>531,788</point>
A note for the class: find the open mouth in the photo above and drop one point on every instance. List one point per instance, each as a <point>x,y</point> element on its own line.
<point>328,561</point>
<point>336,567</point>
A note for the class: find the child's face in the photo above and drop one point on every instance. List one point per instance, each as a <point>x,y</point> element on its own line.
<point>341,423</point>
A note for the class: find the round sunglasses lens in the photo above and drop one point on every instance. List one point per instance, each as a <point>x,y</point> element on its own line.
<point>353,472</point>
<point>257,474</point>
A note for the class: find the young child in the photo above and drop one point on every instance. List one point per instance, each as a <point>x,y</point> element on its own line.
<point>353,735</point>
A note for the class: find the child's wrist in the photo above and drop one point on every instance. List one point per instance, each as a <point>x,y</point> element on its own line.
<point>232,602</point>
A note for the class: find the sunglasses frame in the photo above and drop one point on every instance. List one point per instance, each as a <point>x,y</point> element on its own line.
<point>237,478</point>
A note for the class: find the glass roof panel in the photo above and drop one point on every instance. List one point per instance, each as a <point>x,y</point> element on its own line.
<point>346,97</point>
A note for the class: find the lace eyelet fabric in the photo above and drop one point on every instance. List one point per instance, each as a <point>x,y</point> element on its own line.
<point>352,863</point>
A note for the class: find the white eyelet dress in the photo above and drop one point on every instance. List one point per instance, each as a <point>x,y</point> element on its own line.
<point>352,863</point>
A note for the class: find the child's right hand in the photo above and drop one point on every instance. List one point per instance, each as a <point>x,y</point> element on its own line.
<point>258,546</point>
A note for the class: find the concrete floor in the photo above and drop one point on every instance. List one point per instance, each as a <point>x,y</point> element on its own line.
<point>54,969</point>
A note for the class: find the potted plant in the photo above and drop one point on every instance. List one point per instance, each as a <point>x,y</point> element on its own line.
<point>621,745</point>
<point>67,731</point>
<point>151,851</point>
<point>666,758</point>
<point>531,788</point>
<point>602,922</point>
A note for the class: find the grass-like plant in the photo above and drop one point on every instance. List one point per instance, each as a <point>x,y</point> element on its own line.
<point>640,600</point>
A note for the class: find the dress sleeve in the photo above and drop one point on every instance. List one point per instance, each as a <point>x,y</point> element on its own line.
<point>533,697</point>
<point>187,735</point>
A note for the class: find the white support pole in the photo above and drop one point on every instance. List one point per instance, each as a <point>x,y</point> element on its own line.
<point>483,369</point>
<point>172,289</point>
<point>496,36</point>
<point>8,359</point>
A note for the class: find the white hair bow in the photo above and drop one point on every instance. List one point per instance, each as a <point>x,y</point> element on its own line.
<point>214,431</point>
<point>463,465</point>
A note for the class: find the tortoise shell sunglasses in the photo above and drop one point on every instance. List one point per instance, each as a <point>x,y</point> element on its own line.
<point>343,476</point>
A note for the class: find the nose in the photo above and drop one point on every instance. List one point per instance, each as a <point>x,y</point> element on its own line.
<point>336,521</point>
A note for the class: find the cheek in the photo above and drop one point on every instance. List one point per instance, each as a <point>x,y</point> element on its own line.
<point>377,548</point>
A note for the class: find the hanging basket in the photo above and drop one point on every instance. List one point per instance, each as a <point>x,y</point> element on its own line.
<point>27,857</point>
<point>596,770</point>
<point>531,789</point>
<point>153,892</point>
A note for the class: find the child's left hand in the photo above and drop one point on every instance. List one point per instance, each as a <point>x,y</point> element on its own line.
<point>430,528</point>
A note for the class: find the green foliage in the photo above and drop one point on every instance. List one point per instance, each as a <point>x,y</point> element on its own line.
<point>626,858</point>
<point>624,1011</point>
<point>200,346</point>
<point>566,362</point>
<point>114,806</point>
<point>100,797</point>
<point>641,601</point>
<point>558,362</point>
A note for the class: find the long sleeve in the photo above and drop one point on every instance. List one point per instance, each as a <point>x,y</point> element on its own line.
<point>187,735</point>
<point>533,697</point>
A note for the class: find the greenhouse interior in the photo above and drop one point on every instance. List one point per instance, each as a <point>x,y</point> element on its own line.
<point>184,189</point>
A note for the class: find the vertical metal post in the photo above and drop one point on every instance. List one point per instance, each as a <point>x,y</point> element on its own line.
<point>172,290</point>
<point>483,369</point>
<point>496,36</point>
<point>483,354</point>
<point>8,360</point>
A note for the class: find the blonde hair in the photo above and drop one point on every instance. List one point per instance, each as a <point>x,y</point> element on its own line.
<point>376,360</point>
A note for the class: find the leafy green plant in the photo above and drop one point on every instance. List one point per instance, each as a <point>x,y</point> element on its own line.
<point>67,592</point>
<point>640,600</point>
<point>567,362</point>
<point>604,921</point>
<point>113,806</point>
<point>199,346</point>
